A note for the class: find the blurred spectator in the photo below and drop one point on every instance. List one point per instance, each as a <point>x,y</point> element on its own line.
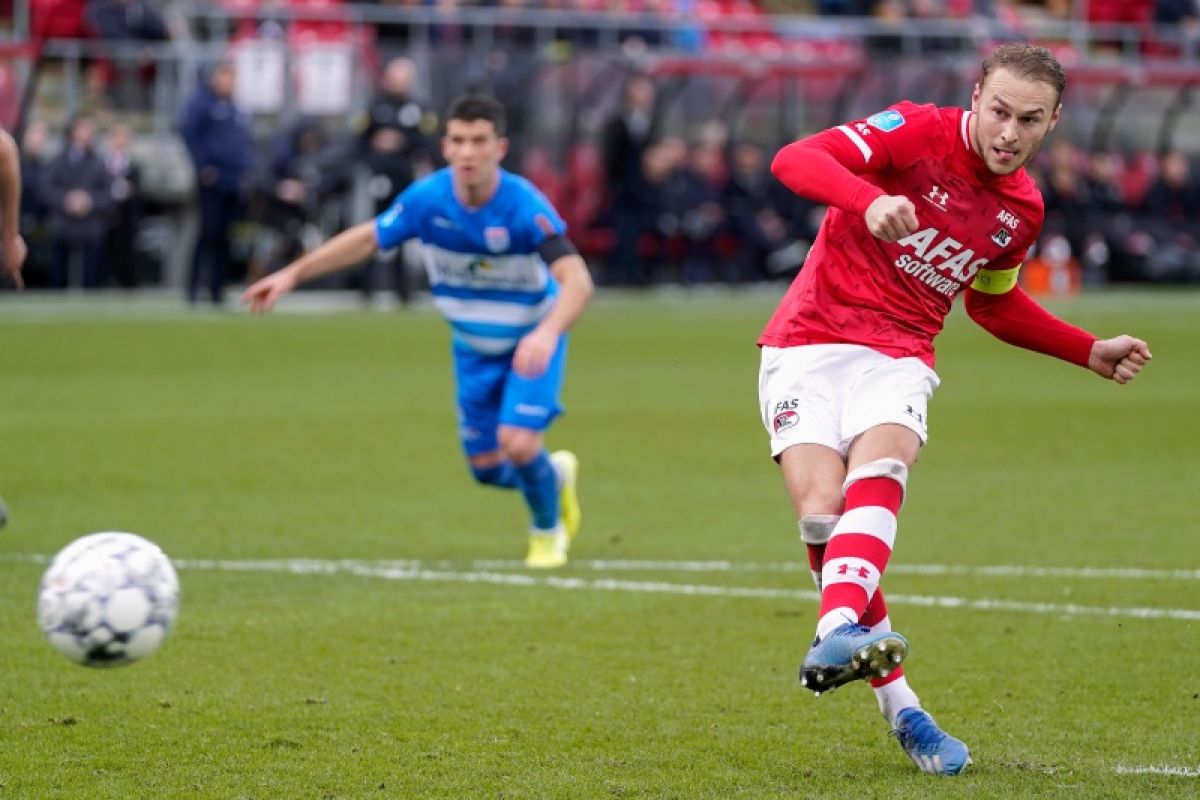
<point>125,214</point>
<point>1108,217</point>
<point>1164,245</point>
<point>304,171</point>
<point>773,226</point>
<point>625,139</point>
<point>704,219</point>
<point>397,147</point>
<point>35,216</point>
<point>77,191</point>
<point>127,20</point>
<point>217,135</point>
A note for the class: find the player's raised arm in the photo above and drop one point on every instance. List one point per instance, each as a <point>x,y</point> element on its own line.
<point>575,291</point>
<point>827,167</point>
<point>351,246</point>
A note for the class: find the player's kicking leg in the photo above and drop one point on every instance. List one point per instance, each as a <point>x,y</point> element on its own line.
<point>855,557</point>
<point>850,652</point>
<point>930,748</point>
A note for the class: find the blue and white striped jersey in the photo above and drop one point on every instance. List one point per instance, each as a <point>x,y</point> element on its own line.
<point>484,269</point>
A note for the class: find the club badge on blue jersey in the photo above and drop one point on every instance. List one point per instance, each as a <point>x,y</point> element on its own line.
<point>496,239</point>
<point>886,121</point>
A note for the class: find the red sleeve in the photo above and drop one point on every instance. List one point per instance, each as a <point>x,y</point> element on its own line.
<point>819,168</point>
<point>1014,317</point>
<point>826,166</point>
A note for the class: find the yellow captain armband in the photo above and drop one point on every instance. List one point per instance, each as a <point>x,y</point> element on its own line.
<point>996,281</point>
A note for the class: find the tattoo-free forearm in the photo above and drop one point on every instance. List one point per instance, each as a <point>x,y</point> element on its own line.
<point>351,246</point>
<point>574,293</point>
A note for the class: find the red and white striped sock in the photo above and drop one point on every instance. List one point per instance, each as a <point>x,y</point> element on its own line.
<point>858,551</point>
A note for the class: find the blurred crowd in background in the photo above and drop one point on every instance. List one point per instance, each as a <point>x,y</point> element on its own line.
<point>650,198</point>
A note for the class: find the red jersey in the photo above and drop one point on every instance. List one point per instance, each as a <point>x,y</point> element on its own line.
<point>894,297</point>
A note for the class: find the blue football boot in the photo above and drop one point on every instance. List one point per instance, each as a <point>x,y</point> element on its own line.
<point>851,652</point>
<point>930,748</point>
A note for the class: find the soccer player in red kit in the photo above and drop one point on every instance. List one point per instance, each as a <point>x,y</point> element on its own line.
<point>925,203</point>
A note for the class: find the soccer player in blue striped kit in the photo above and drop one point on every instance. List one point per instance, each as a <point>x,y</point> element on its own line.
<point>506,277</point>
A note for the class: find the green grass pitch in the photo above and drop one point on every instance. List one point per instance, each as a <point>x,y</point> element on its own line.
<point>355,621</point>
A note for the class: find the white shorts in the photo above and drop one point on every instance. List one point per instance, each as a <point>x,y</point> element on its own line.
<point>828,394</point>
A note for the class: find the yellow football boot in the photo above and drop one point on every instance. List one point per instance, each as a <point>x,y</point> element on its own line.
<point>567,465</point>
<point>547,550</point>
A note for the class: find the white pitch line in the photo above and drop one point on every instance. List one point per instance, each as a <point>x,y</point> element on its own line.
<point>1183,772</point>
<point>445,571</point>
<point>716,566</point>
<point>415,571</point>
<point>982,571</point>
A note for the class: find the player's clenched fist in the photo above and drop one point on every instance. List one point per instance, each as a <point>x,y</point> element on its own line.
<point>891,218</point>
<point>262,295</point>
<point>1120,358</point>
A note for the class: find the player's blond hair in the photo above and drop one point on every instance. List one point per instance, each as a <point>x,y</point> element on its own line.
<point>1026,61</point>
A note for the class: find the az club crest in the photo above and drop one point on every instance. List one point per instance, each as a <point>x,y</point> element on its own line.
<point>784,420</point>
<point>496,239</point>
<point>1002,237</point>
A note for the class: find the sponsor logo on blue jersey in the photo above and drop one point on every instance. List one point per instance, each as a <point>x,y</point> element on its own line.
<point>886,121</point>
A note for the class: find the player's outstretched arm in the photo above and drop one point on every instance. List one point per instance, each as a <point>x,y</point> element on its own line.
<point>1005,311</point>
<point>536,348</point>
<point>12,246</point>
<point>1012,316</point>
<point>1120,358</point>
<point>350,247</point>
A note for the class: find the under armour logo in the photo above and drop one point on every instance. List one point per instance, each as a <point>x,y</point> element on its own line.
<point>938,197</point>
<point>917,415</point>
<point>862,572</point>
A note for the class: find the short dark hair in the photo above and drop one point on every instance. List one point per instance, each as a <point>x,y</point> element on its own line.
<point>1026,61</point>
<point>472,107</point>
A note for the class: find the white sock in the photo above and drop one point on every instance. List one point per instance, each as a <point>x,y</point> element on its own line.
<point>894,697</point>
<point>834,619</point>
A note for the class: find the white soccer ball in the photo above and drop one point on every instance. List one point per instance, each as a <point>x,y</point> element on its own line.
<point>108,599</point>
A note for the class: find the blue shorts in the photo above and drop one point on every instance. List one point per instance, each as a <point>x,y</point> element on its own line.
<point>490,393</point>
